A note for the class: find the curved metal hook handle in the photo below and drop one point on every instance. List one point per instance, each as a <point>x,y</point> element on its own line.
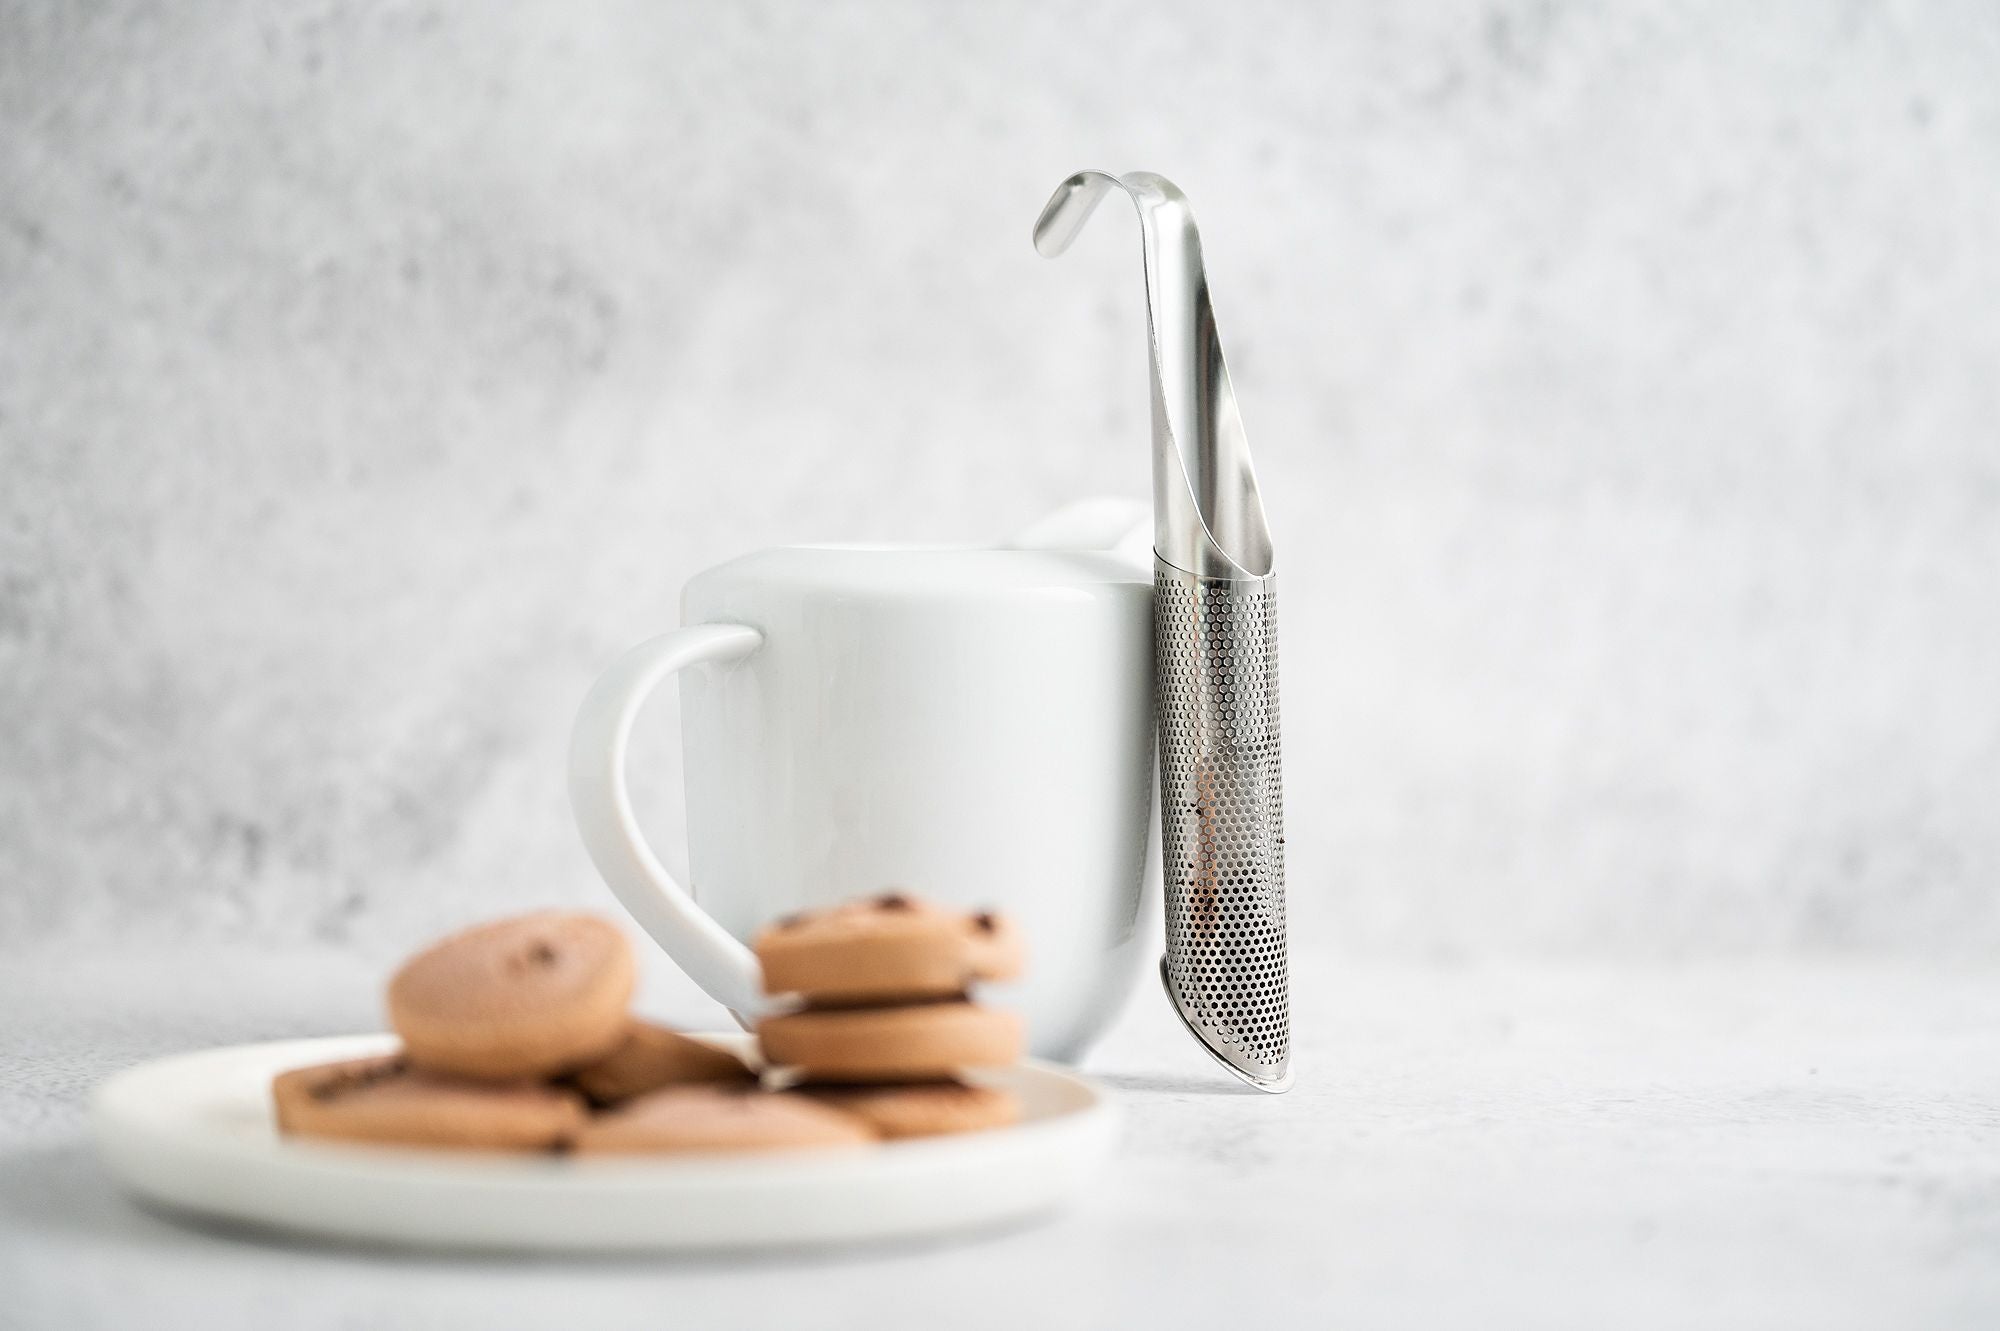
<point>1208,516</point>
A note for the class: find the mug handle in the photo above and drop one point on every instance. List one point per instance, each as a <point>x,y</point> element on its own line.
<point>711,956</point>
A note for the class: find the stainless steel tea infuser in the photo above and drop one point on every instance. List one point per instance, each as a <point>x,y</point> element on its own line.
<point>1215,635</point>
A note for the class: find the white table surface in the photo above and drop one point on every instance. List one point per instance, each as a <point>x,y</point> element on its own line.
<point>1748,1146</point>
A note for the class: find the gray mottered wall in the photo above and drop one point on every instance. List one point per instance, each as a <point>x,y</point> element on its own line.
<point>1625,384</point>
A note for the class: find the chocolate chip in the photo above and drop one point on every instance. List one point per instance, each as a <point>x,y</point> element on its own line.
<point>539,953</point>
<point>356,1079</point>
<point>894,901</point>
<point>792,921</point>
<point>984,922</point>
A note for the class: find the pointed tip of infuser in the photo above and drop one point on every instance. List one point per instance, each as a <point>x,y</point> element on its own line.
<point>1271,1078</point>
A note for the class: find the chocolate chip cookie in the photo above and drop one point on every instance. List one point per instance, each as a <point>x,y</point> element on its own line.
<point>886,948</point>
<point>525,997</point>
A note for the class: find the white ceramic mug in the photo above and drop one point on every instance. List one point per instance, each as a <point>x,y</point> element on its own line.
<point>973,726</point>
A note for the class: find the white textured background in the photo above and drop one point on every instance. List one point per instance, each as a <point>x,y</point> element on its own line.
<point>1626,384</point>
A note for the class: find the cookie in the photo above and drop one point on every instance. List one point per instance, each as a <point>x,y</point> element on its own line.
<point>650,1057</point>
<point>526,997</point>
<point>921,1042</point>
<point>886,948</point>
<point>384,1100</point>
<point>708,1119</point>
<point>922,1109</point>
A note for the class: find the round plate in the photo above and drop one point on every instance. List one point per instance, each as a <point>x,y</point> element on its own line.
<point>195,1133</point>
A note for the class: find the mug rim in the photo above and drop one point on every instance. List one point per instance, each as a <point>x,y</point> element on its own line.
<point>885,569</point>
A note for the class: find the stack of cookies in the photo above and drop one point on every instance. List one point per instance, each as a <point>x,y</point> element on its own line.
<point>885,1026</point>
<point>517,1036</point>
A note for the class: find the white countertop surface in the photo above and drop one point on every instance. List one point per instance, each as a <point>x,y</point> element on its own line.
<point>1747,1146</point>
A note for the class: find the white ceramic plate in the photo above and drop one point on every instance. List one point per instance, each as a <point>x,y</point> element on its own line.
<point>194,1133</point>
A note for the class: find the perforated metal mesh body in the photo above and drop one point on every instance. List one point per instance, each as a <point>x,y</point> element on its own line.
<point>1222,818</point>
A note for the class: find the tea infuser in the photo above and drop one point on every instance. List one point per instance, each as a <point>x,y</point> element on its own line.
<point>1215,636</point>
